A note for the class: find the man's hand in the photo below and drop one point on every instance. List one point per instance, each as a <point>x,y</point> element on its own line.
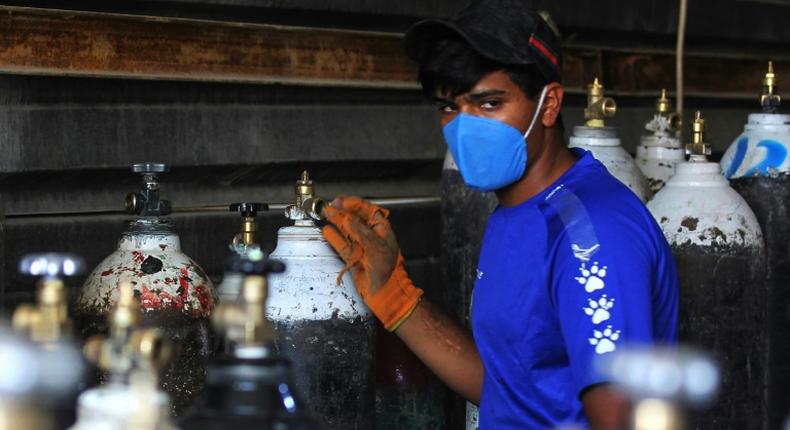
<point>606,408</point>
<point>360,232</point>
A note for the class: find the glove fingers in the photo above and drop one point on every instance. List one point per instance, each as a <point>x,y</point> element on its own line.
<point>353,228</point>
<point>343,246</point>
<point>364,209</point>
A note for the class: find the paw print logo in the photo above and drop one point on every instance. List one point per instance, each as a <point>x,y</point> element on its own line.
<point>599,309</point>
<point>603,341</point>
<point>592,278</point>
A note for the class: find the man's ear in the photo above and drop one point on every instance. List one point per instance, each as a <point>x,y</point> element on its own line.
<point>552,104</point>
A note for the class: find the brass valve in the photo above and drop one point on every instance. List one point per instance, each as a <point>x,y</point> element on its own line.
<point>47,321</point>
<point>245,240</point>
<point>769,96</point>
<point>598,107</point>
<point>245,324</point>
<point>698,147</point>
<point>307,206</point>
<point>128,347</point>
<point>664,109</point>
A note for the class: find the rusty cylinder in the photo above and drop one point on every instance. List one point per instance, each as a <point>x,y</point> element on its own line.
<point>175,293</point>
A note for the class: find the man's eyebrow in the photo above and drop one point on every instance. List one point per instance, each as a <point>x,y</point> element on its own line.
<point>442,100</point>
<point>485,93</point>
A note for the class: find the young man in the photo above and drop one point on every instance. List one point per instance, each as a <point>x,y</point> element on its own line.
<point>572,264</point>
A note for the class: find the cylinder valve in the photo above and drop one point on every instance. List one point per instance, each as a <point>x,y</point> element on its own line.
<point>47,321</point>
<point>244,323</point>
<point>129,349</point>
<point>698,150</point>
<point>245,241</point>
<point>146,202</point>
<point>307,206</point>
<point>598,107</point>
<point>769,96</point>
<point>664,110</point>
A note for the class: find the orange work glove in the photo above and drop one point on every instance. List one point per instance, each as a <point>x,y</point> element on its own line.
<point>360,232</point>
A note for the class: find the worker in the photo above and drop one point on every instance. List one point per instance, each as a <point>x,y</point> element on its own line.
<point>572,265</point>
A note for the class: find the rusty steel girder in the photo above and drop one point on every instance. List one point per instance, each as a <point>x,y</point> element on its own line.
<point>75,43</point>
<point>44,41</point>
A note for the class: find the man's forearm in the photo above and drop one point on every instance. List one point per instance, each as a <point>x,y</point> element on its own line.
<point>446,348</point>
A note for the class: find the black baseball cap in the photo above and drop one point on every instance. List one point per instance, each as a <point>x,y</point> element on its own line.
<point>509,32</point>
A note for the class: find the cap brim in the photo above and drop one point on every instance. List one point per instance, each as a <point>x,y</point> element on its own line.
<point>421,38</point>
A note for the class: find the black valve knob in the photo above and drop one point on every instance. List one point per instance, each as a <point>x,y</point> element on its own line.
<point>52,264</point>
<point>248,266</point>
<point>248,209</point>
<point>146,202</point>
<point>150,168</point>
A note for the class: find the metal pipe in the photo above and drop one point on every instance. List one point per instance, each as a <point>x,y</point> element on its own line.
<point>383,201</point>
<point>681,41</point>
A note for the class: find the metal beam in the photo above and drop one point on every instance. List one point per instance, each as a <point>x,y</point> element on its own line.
<point>57,42</point>
<point>44,41</point>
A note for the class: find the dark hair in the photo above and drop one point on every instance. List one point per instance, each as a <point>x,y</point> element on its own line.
<point>454,67</point>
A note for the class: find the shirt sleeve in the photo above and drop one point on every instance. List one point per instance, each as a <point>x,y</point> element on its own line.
<point>600,281</point>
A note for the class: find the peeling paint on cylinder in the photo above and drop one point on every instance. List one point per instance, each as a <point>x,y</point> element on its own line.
<point>605,147</point>
<point>325,329</point>
<point>698,207</point>
<point>720,257</point>
<point>175,294</point>
<point>656,157</point>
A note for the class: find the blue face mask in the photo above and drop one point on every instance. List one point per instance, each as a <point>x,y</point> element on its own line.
<point>489,153</point>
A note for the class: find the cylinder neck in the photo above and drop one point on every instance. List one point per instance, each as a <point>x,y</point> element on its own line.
<point>150,235</point>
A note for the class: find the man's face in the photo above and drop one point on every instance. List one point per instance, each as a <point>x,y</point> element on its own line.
<point>495,96</point>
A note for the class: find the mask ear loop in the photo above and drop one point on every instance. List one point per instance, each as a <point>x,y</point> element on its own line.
<point>537,111</point>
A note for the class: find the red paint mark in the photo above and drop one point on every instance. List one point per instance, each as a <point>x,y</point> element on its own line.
<point>156,299</point>
<point>163,246</point>
<point>138,257</point>
<point>107,272</point>
<point>149,299</point>
<point>205,298</point>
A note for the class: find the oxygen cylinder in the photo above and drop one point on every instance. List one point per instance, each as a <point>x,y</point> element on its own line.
<point>603,142</point>
<point>249,388</point>
<point>720,256</point>
<point>758,167</point>
<point>657,153</point>
<point>175,293</point>
<point>47,324</point>
<point>464,213</point>
<point>132,356</point>
<point>322,324</point>
<point>35,380</point>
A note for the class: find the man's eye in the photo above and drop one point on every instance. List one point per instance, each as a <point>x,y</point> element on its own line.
<point>490,104</point>
<point>447,108</point>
